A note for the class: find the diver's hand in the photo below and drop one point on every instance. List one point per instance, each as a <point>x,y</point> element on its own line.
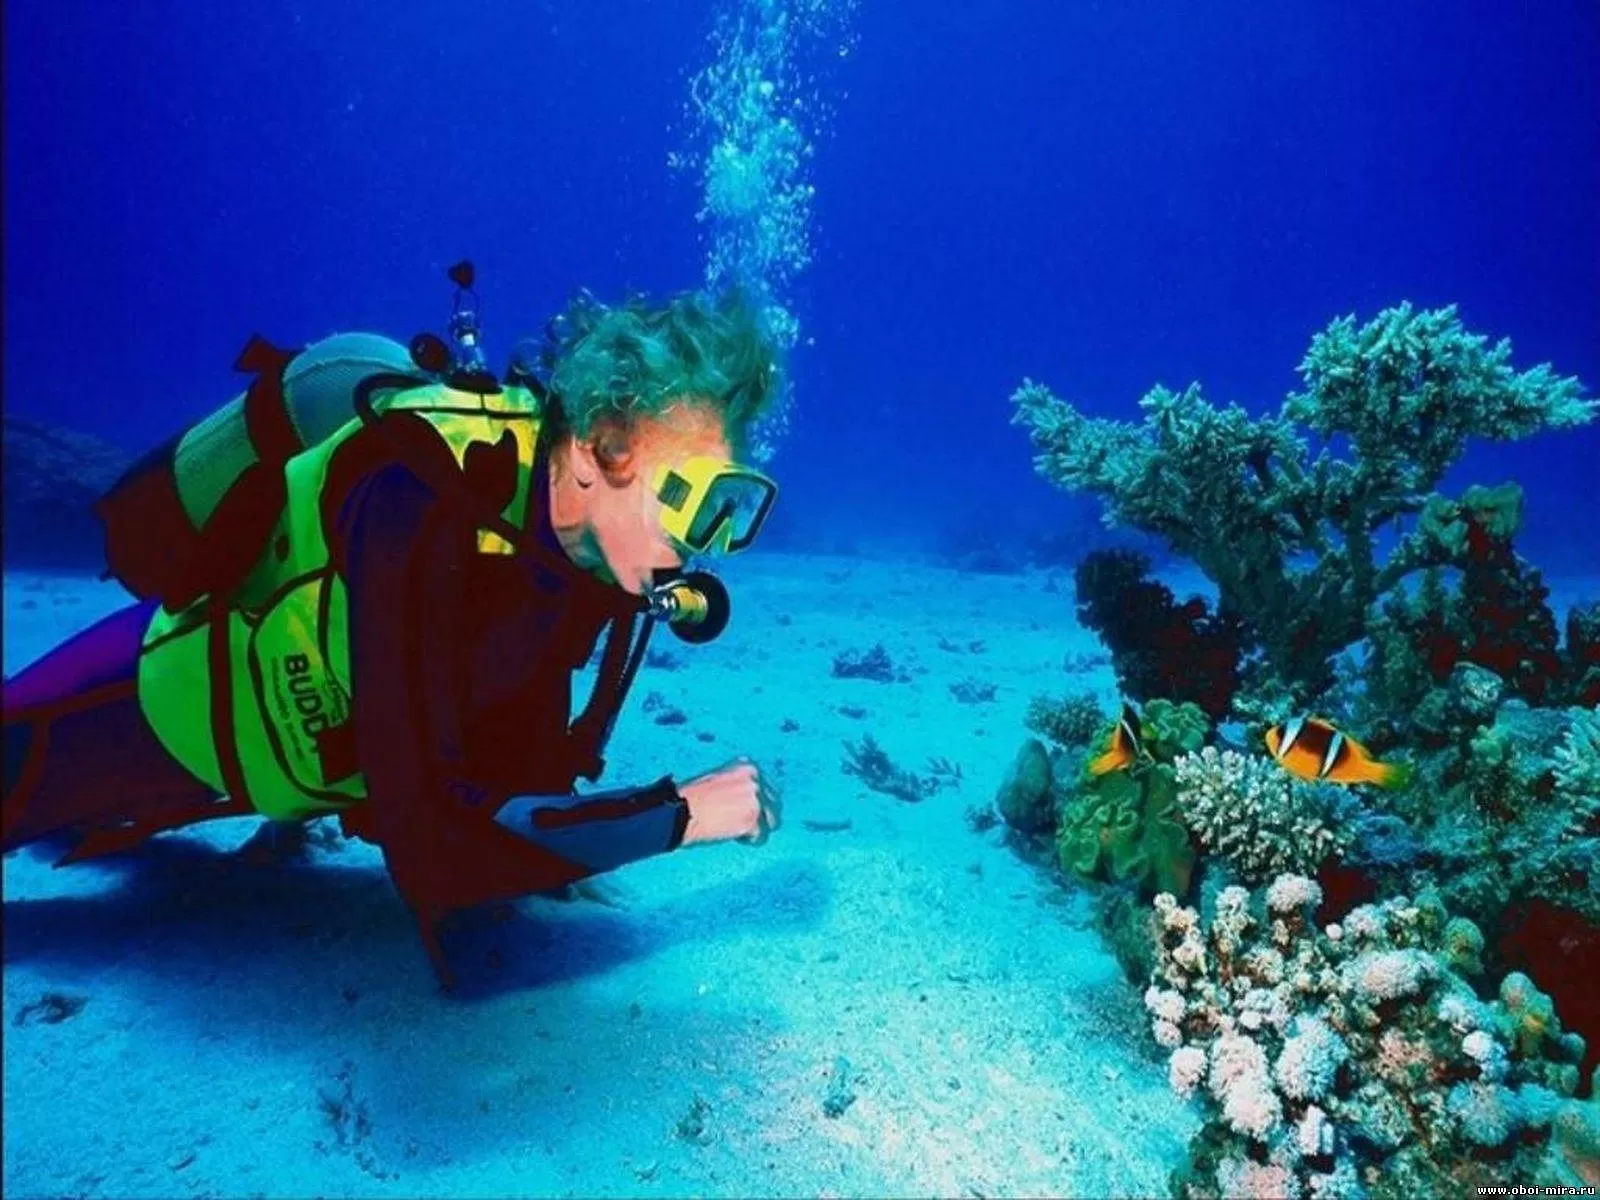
<point>731,802</point>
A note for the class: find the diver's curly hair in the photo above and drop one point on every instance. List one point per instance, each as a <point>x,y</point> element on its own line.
<point>631,361</point>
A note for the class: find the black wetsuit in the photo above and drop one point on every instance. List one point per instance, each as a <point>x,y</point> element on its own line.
<point>461,676</point>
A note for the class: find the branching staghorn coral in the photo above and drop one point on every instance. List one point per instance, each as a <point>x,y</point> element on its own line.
<point>1250,812</point>
<point>1351,1061</point>
<point>1070,722</point>
<point>1290,535</point>
<point>1577,764</point>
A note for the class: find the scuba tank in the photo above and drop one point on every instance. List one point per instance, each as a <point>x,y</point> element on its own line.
<point>192,517</point>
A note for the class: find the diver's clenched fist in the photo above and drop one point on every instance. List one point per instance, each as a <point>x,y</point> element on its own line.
<point>733,801</point>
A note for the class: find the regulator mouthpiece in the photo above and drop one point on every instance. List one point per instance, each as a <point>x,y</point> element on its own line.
<point>694,604</point>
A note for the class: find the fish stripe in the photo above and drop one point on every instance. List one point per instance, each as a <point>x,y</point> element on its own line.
<point>1330,759</point>
<point>1317,737</point>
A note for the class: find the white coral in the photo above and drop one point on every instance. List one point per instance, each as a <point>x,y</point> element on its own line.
<point>1265,965</point>
<point>1364,924</point>
<point>1247,810</point>
<point>1310,1060</point>
<point>1314,1135</point>
<point>1284,1046</point>
<point>1165,1004</point>
<point>1186,1069</point>
<point>1293,893</point>
<point>1490,1056</point>
<point>1380,975</point>
<point>1461,1012</point>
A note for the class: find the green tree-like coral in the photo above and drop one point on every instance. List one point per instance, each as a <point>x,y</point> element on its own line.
<point>1284,512</point>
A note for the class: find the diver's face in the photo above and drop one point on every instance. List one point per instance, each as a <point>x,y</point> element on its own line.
<point>625,513</point>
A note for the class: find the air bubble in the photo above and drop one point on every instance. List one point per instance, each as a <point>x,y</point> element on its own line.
<point>756,201</point>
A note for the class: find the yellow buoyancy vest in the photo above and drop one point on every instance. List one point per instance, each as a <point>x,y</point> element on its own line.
<point>254,696</point>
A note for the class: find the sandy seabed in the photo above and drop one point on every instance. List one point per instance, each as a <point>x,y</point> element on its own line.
<point>275,1030</point>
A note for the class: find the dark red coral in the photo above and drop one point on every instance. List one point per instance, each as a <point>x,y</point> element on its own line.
<point>1559,950</point>
<point>1499,618</point>
<point>1512,630</point>
<point>1583,654</point>
<point>1159,647</point>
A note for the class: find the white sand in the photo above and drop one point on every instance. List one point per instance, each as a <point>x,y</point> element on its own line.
<point>990,1036</point>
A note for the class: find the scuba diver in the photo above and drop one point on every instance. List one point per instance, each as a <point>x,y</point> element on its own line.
<point>365,586</point>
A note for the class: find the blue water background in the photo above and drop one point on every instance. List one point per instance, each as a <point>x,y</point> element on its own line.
<point>1101,196</point>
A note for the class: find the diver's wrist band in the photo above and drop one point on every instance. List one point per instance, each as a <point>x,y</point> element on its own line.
<point>602,830</point>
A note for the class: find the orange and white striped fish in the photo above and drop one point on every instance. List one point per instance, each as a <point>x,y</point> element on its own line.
<point>1125,747</point>
<point>1314,749</point>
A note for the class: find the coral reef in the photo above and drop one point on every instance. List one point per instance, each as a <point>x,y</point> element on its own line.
<point>1352,1061</point>
<point>1583,654</point>
<point>1170,729</point>
<point>1573,1157</point>
<point>1291,538</point>
<point>1506,807</point>
<point>1258,819</point>
<point>1367,1057</point>
<point>1159,648</point>
<point>1125,827</point>
<point>1561,950</point>
<point>1509,808</point>
<point>1496,619</point>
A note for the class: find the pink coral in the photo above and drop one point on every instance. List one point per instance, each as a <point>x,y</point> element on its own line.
<point>1241,1082</point>
<point>1164,1004</point>
<point>1245,1180</point>
<point>1400,1059</point>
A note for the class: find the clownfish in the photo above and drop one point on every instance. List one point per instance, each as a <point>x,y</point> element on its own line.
<point>1313,749</point>
<point>1126,745</point>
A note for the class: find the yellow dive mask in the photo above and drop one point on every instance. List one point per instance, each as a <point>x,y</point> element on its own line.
<point>713,506</point>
